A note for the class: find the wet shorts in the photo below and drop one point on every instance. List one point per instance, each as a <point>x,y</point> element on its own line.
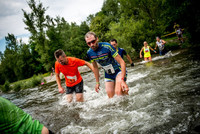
<point>180,35</point>
<point>111,77</point>
<point>77,88</point>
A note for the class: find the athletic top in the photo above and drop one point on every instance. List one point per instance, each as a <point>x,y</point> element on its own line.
<point>70,71</point>
<point>105,55</point>
<point>121,52</point>
<point>179,31</point>
<point>160,46</point>
<point>146,52</point>
<point>14,120</point>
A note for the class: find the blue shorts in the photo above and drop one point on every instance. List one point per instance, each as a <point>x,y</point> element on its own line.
<point>111,77</point>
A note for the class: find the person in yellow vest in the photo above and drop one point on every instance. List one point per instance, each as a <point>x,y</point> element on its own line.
<point>146,51</point>
<point>176,26</point>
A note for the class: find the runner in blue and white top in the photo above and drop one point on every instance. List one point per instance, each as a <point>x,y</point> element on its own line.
<point>161,45</point>
<point>112,63</point>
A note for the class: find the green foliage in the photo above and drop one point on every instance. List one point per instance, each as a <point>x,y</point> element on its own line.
<point>35,80</point>
<point>23,84</point>
<point>17,86</point>
<point>6,86</point>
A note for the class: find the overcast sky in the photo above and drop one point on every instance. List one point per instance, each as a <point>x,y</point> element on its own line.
<point>11,15</point>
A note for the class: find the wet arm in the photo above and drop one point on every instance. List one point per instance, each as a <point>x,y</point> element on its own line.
<point>152,49</point>
<point>96,73</point>
<point>129,59</point>
<point>122,64</point>
<point>163,42</point>
<point>94,70</point>
<point>141,53</point>
<point>156,46</point>
<point>58,80</point>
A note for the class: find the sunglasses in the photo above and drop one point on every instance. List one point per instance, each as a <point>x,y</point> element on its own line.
<point>91,42</point>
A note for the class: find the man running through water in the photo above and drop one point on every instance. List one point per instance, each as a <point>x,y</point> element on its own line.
<point>112,63</point>
<point>161,45</point>
<point>69,67</point>
<point>121,51</point>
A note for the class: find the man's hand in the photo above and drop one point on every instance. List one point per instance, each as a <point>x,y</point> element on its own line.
<point>132,64</point>
<point>140,56</point>
<point>124,86</point>
<point>61,90</point>
<point>97,87</point>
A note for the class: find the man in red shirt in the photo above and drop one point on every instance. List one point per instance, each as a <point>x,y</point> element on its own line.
<point>69,67</point>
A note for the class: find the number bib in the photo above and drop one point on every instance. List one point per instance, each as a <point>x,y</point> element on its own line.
<point>109,69</point>
<point>71,79</point>
<point>146,49</point>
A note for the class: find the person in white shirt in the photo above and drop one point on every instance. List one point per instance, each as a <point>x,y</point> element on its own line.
<point>161,45</point>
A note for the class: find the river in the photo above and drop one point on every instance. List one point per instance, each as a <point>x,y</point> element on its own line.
<point>164,97</point>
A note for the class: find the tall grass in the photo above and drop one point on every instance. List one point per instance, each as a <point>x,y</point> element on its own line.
<point>23,84</point>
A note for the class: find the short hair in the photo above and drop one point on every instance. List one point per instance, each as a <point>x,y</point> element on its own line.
<point>59,53</point>
<point>145,42</point>
<point>89,34</point>
<point>113,40</point>
<point>157,37</point>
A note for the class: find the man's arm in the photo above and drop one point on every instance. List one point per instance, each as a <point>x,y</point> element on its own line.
<point>163,42</point>
<point>122,64</point>
<point>96,74</point>
<point>123,69</point>
<point>156,46</point>
<point>58,80</point>
<point>94,70</point>
<point>129,59</point>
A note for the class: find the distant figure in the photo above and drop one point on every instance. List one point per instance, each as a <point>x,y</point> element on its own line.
<point>53,71</point>
<point>161,45</point>
<point>179,34</point>
<point>146,51</point>
<point>121,51</point>
<point>69,67</point>
<point>14,120</point>
<point>175,26</point>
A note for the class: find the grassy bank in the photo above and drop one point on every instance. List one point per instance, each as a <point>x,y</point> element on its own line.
<point>23,84</point>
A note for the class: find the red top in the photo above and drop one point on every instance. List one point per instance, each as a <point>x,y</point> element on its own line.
<point>70,71</point>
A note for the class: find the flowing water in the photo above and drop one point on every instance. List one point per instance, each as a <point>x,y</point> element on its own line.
<point>164,97</point>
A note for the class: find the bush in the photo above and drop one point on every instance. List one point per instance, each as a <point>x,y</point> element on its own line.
<point>6,86</point>
<point>17,86</point>
<point>36,80</point>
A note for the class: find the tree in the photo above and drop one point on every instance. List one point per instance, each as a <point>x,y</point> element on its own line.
<point>36,24</point>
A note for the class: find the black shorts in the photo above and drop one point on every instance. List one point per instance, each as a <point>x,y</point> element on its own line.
<point>180,35</point>
<point>77,88</point>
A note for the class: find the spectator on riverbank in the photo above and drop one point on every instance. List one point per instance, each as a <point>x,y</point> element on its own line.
<point>146,51</point>
<point>69,67</point>
<point>161,45</point>
<point>121,51</point>
<point>112,63</point>
<point>14,120</point>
